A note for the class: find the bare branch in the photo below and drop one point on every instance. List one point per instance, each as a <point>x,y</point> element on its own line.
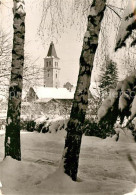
<point>113,11</point>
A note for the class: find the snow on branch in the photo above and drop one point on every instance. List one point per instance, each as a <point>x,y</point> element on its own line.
<point>124,95</point>
<point>128,24</point>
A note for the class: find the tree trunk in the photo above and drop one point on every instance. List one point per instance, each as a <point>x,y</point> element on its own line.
<point>78,112</point>
<point>12,137</point>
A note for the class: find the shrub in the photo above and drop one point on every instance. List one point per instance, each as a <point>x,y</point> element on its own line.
<point>39,127</point>
<point>42,127</point>
<point>31,125</point>
<point>91,128</point>
<point>23,125</point>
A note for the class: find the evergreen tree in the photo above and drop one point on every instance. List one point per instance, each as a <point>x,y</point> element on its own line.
<point>109,77</point>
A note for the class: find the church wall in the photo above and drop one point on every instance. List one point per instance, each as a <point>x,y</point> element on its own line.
<point>51,72</point>
<point>56,71</point>
<point>48,72</point>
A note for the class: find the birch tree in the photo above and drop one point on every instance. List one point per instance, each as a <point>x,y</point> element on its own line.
<point>78,112</point>
<point>12,137</point>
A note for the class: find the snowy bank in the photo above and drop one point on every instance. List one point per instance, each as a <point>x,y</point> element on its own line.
<point>104,168</point>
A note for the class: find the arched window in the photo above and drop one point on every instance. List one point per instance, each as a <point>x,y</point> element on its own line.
<point>56,75</point>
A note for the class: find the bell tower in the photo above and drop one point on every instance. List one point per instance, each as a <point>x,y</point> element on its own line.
<point>51,68</point>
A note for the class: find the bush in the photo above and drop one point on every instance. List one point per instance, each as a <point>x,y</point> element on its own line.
<point>42,127</point>
<point>132,127</point>
<point>31,125</point>
<point>23,125</point>
<point>45,129</point>
<point>27,125</point>
<point>91,128</point>
<point>39,127</point>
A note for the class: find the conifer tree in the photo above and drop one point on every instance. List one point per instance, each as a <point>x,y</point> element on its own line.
<point>109,77</point>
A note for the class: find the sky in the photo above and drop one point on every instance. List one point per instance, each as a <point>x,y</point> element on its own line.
<point>68,46</point>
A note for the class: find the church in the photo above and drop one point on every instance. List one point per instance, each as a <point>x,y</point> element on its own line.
<point>51,82</point>
<point>51,68</point>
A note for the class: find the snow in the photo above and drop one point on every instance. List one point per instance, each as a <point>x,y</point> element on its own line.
<point>106,105</point>
<point>125,136</point>
<point>104,168</point>
<point>54,125</point>
<point>126,23</point>
<point>41,119</point>
<point>125,90</point>
<point>50,92</point>
<point>104,108</point>
<point>95,91</point>
<point>133,108</point>
<point>122,102</point>
<point>131,193</point>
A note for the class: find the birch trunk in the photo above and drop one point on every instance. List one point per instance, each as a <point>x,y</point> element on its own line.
<point>12,137</point>
<point>78,112</point>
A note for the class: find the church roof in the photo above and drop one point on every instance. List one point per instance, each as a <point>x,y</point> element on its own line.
<point>52,51</point>
<point>53,93</point>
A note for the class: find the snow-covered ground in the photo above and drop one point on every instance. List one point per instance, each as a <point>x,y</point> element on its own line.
<point>104,168</point>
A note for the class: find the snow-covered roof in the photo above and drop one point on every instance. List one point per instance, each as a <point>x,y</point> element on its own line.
<point>53,93</point>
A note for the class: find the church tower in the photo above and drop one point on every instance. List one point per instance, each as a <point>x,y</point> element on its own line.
<point>51,68</point>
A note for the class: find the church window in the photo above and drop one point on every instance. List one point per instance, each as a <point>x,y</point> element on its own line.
<point>47,64</point>
<point>56,64</point>
<point>56,75</point>
<point>50,63</point>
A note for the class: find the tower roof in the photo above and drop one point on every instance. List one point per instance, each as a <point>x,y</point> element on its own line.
<point>52,51</point>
